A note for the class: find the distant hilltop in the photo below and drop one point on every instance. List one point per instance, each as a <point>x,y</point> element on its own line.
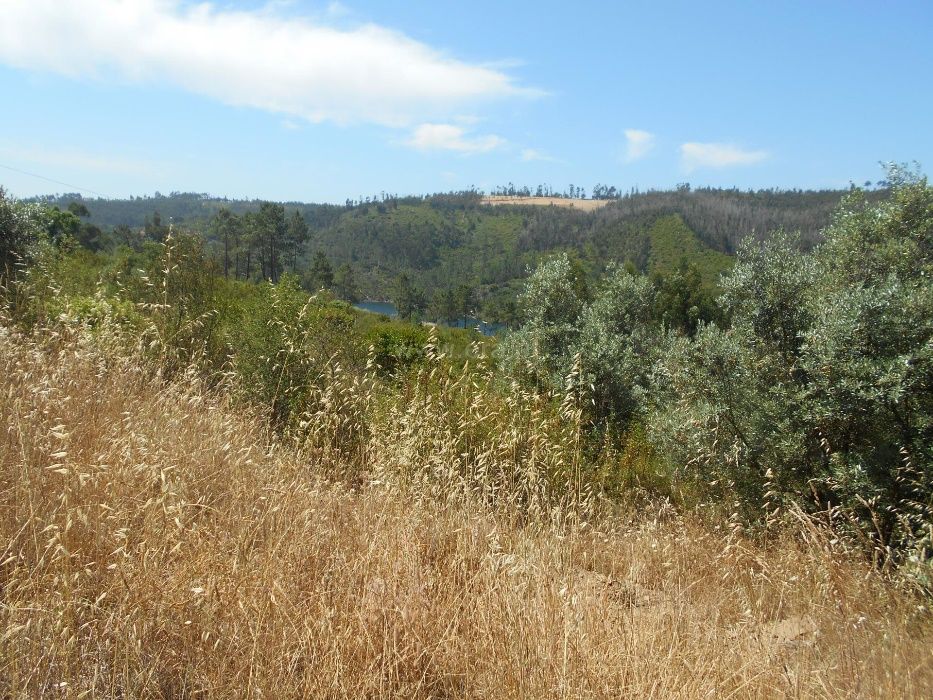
<point>579,204</point>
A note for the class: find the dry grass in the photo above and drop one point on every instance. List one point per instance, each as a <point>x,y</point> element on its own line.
<point>157,544</point>
<point>578,204</point>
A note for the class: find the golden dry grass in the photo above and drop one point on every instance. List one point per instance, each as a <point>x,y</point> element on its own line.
<point>158,543</point>
<point>578,204</point>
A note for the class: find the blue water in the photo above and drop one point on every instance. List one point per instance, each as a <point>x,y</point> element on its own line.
<point>387,308</point>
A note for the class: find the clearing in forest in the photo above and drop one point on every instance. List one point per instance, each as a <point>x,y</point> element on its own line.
<point>581,204</point>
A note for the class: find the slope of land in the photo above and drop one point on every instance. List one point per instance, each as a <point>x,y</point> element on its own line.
<point>490,243</point>
<point>567,203</point>
<point>672,241</point>
<point>158,543</point>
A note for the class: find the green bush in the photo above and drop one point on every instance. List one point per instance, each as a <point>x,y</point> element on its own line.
<point>616,344</point>
<point>821,392</point>
<point>285,346</point>
<point>99,312</point>
<point>552,301</point>
<point>604,346</point>
<point>396,346</point>
<point>20,226</point>
<point>815,393</point>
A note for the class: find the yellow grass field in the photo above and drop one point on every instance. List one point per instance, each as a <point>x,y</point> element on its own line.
<point>159,543</point>
<point>579,204</point>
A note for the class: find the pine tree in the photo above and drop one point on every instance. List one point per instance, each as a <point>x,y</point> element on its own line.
<point>345,284</point>
<point>322,272</point>
<point>409,300</point>
<point>296,236</point>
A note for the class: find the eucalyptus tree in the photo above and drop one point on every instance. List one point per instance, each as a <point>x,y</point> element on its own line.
<point>409,299</point>
<point>346,286</point>
<point>274,228</point>
<point>226,226</point>
<point>297,235</point>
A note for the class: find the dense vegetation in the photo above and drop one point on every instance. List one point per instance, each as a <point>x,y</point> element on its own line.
<point>812,388</point>
<point>807,383</point>
<point>777,419</point>
<point>443,243</point>
<point>159,542</point>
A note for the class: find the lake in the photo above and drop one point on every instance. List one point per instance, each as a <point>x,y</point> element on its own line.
<point>387,308</point>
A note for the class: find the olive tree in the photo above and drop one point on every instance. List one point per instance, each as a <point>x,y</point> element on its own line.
<point>616,344</point>
<point>20,225</point>
<point>605,343</point>
<point>552,301</point>
<point>821,391</point>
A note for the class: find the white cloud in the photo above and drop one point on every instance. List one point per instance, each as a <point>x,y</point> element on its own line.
<point>449,137</point>
<point>256,58</point>
<point>638,144</point>
<point>717,155</point>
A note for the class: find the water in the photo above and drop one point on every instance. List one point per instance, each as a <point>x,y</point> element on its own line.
<point>476,324</point>
<point>387,308</point>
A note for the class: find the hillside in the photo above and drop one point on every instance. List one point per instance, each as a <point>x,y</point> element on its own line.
<point>672,241</point>
<point>215,487</point>
<point>566,202</point>
<point>159,544</point>
<point>489,243</point>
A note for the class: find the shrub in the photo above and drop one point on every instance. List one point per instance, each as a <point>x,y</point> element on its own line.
<point>616,345</point>
<point>552,302</point>
<point>605,343</point>
<point>396,347</point>
<point>821,393</point>
<point>99,312</point>
<point>285,344</point>
<point>20,226</point>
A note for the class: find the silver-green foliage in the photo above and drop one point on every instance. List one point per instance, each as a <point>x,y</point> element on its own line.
<point>20,228</point>
<point>605,344</point>
<point>616,343</point>
<point>821,391</point>
<point>552,302</point>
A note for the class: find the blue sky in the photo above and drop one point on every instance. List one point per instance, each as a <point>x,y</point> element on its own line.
<point>320,101</point>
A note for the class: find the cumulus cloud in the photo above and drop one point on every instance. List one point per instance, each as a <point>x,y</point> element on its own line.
<point>254,58</point>
<point>638,144</point>
<point>717,155</point>
<point>449,137</point>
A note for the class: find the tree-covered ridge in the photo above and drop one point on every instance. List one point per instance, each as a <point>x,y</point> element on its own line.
<point>722,217</point>
<point>671,242</point>
<point>442,242</point>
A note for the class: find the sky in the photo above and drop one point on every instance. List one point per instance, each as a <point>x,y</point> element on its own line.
<point>324,101</point>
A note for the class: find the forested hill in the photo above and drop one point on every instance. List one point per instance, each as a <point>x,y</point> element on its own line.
<point>183,208</point>
<point>444,241</point>
<point>720,216</point>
